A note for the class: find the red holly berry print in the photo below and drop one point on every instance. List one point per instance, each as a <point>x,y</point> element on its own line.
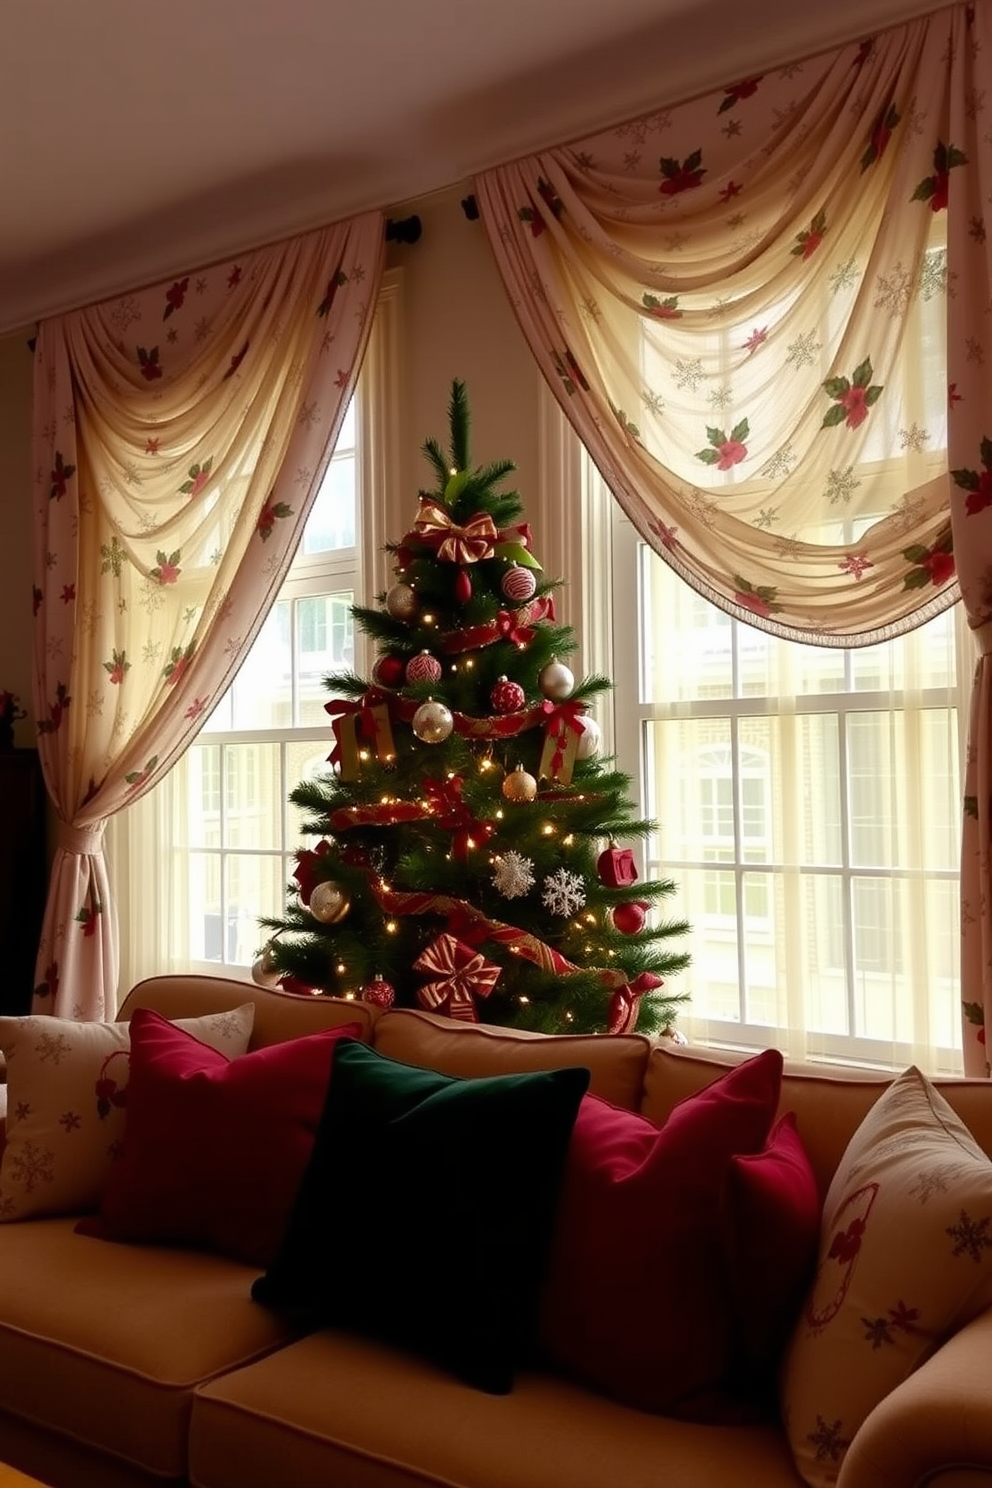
<point>137,778</point>
<point>757,338</point>
<point>236,361</point>
<point>725,450</point>
<point>175,296</point>
<point>681,177</point>
<point>934,188</point>
<point>973,1011</point>
<point>852,399</point>
<point>168,569</point>
<point>333,284</point>
<point>978,483</point>
<point>881,132</point>
<point>117,667</point>
<point>569,371</point>
<point>149,363</point>
<point>178,663</point>
<point>272,512</point>
<point>807,242</point>
<point>758,598</point>
<point>662,309</point>
<point>50,986</point>
<point>60,476</point>
<point>733,95</point>
<point>199,477</point>
<point>933,565</point>
<point>56,710</point>
<point>87,917</point>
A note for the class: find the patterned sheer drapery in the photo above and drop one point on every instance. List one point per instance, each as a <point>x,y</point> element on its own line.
<point>765,313</point>
<point>180,436</point>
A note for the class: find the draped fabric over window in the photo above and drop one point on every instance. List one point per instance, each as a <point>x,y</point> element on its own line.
<point>180,436</point>
<point>765,312</point>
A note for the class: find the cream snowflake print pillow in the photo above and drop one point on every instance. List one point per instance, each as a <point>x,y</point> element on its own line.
<point>905,1261</point>
<point>67,1102</point>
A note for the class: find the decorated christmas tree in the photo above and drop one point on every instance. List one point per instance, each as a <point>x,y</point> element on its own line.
<point>470,851</point>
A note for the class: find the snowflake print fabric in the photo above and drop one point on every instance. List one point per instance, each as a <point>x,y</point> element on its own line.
<point>905,1259</point>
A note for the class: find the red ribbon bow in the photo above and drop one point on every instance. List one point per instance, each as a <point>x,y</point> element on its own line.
<point>451,812</point>
<point>305,872</point>
<point>468,544</point>
<point>462,975</point>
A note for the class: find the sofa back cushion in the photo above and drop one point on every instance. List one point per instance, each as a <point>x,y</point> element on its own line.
<point>830,1102</point>
<point>278,1015</point>
<point>616,1065</point>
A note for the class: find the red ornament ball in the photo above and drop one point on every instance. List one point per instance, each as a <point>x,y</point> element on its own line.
<point>629,918</point>
<point>463,587</point>
<point>518,584</point>
<point>378,992</point>
<point>423,668</point>
<point>507,697</point>
<point>388,671</point>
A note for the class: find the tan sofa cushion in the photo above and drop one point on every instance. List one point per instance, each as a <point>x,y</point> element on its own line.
<point>105,1343</point>
<point>345,1410</point>
<point>433,1041</point>
<point>278,1015</point>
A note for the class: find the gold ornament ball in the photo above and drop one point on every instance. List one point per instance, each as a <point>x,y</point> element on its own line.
<point>590,739</point>
<point>432,722</point>
<point>329,903</point>
<point>556,681</point>
<point>401,602</point>
<point>519,785</point>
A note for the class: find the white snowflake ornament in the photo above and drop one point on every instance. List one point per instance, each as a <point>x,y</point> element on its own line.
<point>514,875</point>
<point>563,893</point>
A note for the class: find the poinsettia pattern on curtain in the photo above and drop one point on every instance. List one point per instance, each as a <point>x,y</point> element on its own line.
<point>764,313</point>
<point>180,436</point>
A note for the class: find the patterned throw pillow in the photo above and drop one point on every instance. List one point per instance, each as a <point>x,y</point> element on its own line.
<point>66,1094</point>
<point>905,1260</point>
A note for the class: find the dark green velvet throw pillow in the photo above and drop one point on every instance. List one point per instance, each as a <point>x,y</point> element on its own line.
<point>446,1190</point>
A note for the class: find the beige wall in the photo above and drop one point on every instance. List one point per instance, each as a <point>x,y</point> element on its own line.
<point>456,323</point>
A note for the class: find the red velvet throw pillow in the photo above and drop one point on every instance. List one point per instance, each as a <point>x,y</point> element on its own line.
<point>214,1148</point>
<point>771,1226</point>
<point>637,1301</point>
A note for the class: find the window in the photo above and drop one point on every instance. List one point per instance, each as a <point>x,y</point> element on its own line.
<point>808,807</point>
<point>202,857</point>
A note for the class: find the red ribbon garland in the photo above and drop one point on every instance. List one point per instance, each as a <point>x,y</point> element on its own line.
<point>513,625</point>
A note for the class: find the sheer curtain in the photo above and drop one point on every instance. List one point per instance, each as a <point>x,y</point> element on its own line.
<point>727,299</point>
<point>180,434</point>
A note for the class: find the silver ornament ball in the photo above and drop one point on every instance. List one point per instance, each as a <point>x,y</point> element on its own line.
<point>432,722</point>
<point>556,681</point>
<point>590,739</point>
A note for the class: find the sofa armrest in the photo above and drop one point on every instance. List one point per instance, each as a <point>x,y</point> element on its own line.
<point>936,1428</point>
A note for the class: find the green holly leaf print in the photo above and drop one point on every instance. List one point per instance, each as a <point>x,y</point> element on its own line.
<point>836,387</point>
<point>862,373</point>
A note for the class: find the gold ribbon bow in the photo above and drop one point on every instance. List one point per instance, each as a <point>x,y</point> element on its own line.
<point>454,544</point>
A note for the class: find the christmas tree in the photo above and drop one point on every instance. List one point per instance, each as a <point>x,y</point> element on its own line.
<point>467,858</point>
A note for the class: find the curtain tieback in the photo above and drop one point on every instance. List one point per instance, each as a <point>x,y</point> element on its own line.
<point>983,638</point>
<point>81,840</point>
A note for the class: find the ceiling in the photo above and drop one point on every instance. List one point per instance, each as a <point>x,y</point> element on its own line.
<point>140,138</point>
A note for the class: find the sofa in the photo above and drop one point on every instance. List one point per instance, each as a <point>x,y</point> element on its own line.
<point>125,1364</point>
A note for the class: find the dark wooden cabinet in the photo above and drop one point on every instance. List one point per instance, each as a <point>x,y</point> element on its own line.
<point>23,875</point>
